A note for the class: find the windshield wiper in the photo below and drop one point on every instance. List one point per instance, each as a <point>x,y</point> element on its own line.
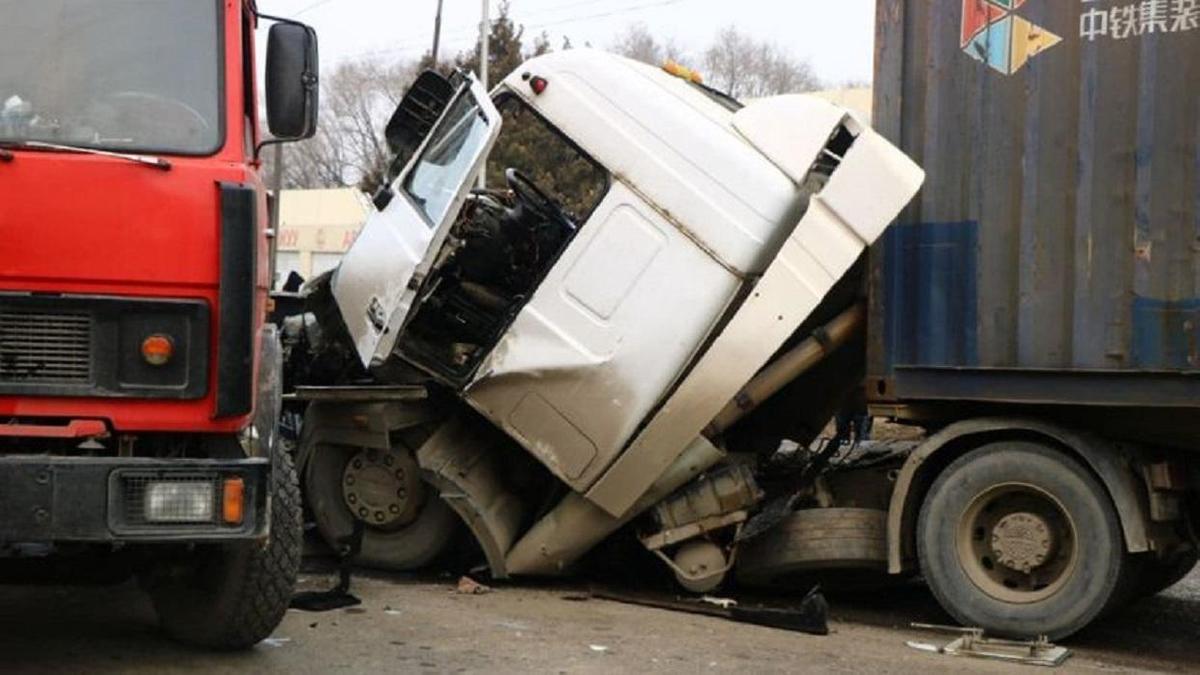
<point>156,162</point>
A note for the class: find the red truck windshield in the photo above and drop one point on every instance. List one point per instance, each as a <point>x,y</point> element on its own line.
<point>125,75</point>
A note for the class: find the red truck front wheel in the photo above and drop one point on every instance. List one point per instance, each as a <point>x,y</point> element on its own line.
<point>232,596</point>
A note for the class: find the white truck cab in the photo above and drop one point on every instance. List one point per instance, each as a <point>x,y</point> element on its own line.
<point>568,313</point>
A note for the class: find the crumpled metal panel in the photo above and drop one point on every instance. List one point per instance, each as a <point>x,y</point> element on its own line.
<point>865,192</point>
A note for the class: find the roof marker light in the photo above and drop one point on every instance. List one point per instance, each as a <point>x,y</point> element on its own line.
<point>683,72</point>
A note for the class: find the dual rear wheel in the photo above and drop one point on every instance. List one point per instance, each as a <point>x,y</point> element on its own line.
<point>1023,540</point>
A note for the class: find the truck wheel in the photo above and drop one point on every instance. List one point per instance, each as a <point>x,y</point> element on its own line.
<point>1157,576</point>
<point>1022,541</point>
<point>815,543</point>
<point>234,596</point>
<point>407,525</point>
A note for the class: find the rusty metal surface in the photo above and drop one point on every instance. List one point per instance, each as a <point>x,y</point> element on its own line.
<point>1059,228</point>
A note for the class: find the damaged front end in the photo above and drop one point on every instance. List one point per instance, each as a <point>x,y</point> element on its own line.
<point>607,273</point>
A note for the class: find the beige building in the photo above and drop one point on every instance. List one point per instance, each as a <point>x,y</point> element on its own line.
<point>858,99</point>
<point>316,228</point>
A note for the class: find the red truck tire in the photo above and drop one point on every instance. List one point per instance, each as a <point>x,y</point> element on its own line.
<point>234,596</point>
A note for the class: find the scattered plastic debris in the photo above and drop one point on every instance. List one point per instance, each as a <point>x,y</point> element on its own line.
<point>810,616</point>
<point>276,642</point>
<point>468,586</point>
<point>598,648</point>
<point>723,603</point>
<point>973,643</point>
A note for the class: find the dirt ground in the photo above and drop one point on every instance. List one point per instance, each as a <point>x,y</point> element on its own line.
<point>423,625</point>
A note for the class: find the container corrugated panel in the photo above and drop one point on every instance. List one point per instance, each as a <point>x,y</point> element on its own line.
<point>1059,228</point>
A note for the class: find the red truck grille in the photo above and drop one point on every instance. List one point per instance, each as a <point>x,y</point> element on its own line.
<point>45,347</point>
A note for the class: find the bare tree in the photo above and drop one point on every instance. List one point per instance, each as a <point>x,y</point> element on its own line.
<point>735,62</point>
<point>359,97</point>
<point>639,44</point>
<point>357,100</point>
<point>746,68</point>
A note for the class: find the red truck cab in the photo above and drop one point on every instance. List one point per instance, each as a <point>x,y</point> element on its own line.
<point>138,376</point>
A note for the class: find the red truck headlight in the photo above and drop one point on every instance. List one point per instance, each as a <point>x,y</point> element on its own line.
<point>179,502</point>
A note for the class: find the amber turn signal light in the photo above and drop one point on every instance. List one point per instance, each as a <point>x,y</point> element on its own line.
<point>158,350</point>
<point>233,501</point>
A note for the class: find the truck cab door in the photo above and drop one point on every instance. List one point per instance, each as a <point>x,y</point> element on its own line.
<point>377,282</point>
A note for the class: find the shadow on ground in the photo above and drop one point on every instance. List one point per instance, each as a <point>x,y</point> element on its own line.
<point>74,629</point>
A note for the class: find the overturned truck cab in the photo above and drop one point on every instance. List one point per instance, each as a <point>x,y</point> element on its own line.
<point>571,292</point>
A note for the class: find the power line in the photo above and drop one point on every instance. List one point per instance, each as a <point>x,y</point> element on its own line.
<point>313,6</point>
<point>616,12</point>
<point>464,31</point>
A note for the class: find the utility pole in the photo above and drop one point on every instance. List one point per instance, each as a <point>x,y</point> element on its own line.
<point>437,33</point>
<point>277,185</point>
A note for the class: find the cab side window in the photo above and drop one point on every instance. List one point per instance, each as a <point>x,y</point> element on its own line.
<point>529,144</point>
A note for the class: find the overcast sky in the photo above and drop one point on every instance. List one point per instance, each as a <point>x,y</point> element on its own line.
<point>836,36</point>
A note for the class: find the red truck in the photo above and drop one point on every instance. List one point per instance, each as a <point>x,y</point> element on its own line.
<point>139,380</point>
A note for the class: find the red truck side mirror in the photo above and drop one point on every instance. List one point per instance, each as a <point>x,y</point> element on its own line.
<point>292,79</point>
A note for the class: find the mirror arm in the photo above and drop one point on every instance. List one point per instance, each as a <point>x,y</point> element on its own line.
<point>279,19</point>
<point>263,144</point>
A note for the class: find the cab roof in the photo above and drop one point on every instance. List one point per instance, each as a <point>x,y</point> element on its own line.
<point>680,147</point>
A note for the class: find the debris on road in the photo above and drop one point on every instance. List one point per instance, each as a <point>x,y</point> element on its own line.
<point>810,616</point>
<point>468,586</point>
<point>973,643</point>
<point>276,642</point>
<point>339,596</point>
<point>723,603</point>
<point>598,648</point>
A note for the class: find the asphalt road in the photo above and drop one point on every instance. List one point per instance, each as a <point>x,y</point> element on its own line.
<point>407,625</point>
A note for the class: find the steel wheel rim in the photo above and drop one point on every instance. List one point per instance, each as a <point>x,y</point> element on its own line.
<point>382,488</point>
<point>1017,543</point>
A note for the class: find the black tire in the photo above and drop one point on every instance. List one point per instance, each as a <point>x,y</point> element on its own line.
<point>410,548</point>
<point>1157,576</point>
<point>234,596</point>
<point>815,541</point>
<point>1090,579</point>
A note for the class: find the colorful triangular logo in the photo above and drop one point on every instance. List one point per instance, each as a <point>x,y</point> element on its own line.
<point>992,34</point>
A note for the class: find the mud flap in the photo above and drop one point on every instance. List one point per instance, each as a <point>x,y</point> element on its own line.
<point>339,596</point>
<point>457,461</point>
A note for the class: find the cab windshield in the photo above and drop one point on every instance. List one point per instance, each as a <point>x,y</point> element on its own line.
<point>123,75</point>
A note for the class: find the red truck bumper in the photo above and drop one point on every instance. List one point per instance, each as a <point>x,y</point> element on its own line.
<point>59,499</point>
